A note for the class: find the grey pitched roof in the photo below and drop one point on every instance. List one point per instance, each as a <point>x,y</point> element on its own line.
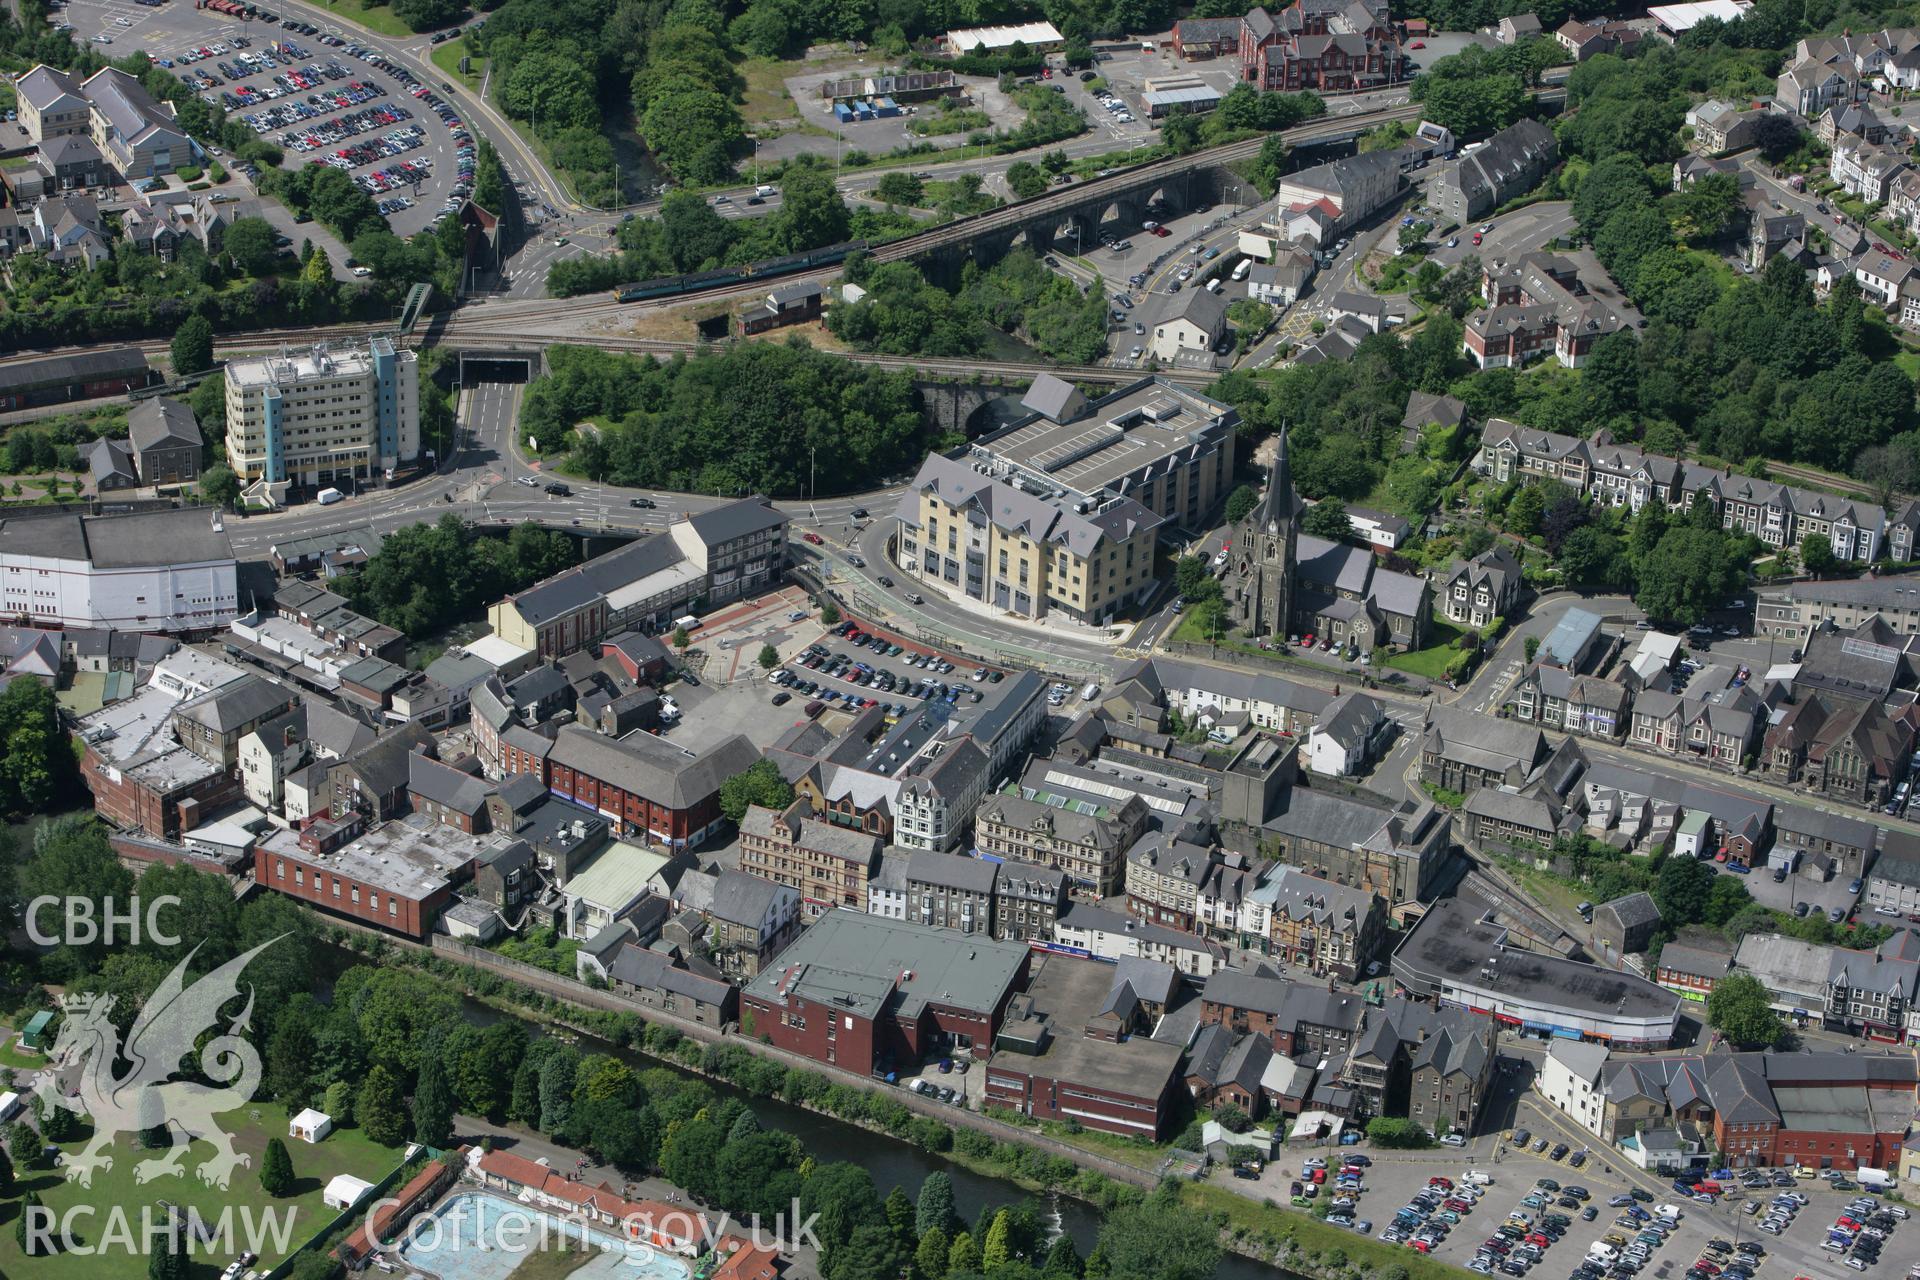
<point>1054,397</point>
<point>128,107</point>
<point>643,765</point>
<point>162,421</point>
<point>1201,307</point>
<point>650,970</point>
<point>1836,827</point>
<point>44,86</point>
<point>1209,1052</point>
<point>1397,593</point>
<point>1242,990</point>
<point>386,762</point>
<point>951,871</point>
<point>742,899</point>
<point>1336,565</point>
<point>1633,909</point>
<point>109,461</point>
<point>238,702</point>
<point>443,784</point>
<point>578,587</point>
<point>736,520</point>
<point>1697,961</point>
<point>334,731</point>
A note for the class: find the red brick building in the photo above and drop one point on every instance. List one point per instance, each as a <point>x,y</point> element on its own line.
<point>397,877</point>
<point>1824,1109</point>
<point>1336,46</point>
<point>1075,1048</point>
<point>647,787</point>
<point>1691,971</point>
<point>861,992</point>
<point>141,776</point>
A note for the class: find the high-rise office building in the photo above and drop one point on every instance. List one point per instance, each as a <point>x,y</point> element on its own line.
<point>323,417</point>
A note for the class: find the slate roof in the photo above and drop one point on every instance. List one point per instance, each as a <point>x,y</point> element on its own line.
<point>742,899</point>
<point>1695,961</point>
<point>643,765</point>
<point>736,520</point>
<point>951,871</point>
<point>1633,910</point>
<point>1350,720</point>
<point>238,702</point>
<point>1202,308</point>
<point>110,462</point>
<point>162,422</point>
<point>443,784</point>
<point>653,971</point>
<point>128,107</point>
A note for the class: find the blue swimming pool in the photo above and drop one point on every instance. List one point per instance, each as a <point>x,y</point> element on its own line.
<point>476,1236</point>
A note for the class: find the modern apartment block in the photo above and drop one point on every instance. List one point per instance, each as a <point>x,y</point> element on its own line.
<point>1060,511</point>
<point>323,417</point>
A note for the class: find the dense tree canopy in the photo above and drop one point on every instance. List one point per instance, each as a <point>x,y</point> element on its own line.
<point>759,417</point>
<point>426,576</point>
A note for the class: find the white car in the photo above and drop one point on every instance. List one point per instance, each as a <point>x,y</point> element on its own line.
<point>1453,1140</point>
<point>362,271</point>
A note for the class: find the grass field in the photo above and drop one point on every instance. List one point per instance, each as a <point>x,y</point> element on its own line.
<point>1431,661</point>
<point>344,1151</point>
<point>447,57</point>
<point>374,18</point>
<point>767,97</point>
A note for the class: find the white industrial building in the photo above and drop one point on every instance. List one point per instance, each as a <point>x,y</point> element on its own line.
<point>154,571</point>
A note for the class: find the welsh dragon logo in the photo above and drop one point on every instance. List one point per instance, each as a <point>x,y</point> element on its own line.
<point>170,1024</point>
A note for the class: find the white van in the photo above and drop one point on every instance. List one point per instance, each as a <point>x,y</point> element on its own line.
<point>763,190</point>
<point>686,622</point>
<point>328,497</point>
<point>1240,272</point>
<point>1092,691</point>
<point>1213,285</point>
<point>1477,1178</point>
<point>1602,1251</point>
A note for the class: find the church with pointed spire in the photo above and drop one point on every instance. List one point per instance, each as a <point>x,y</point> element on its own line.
<point>1280,582</point>
<point>1264,555</point>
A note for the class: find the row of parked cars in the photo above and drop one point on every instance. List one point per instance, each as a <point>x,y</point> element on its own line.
<point>351,125</point>
<point>374,150</point>
<point>1636,1236</point>
<point>1862,1231</point>
<point>1432,1214</point>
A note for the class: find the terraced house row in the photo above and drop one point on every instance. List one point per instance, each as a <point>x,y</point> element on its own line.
<point>1621,475</point>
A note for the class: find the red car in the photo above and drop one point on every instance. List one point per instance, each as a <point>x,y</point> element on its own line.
<point>1458,1206</point>
<point>1418,44</point>
<point>814,538</point>
<point>1445,1184</point>
<point>1319,1176</point>
<point>1161,231</point>
<point>1420,1245</point>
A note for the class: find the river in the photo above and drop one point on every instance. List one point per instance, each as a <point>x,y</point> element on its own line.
<point>893,1163</point>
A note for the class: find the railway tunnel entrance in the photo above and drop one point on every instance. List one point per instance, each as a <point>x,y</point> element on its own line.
<point>500,365</point>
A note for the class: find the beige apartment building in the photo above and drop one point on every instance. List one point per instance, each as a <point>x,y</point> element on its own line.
<point>323,418</point>
<point>1060,512</point>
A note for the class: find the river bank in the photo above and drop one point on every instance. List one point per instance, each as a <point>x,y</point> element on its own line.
<point>875,1128</point>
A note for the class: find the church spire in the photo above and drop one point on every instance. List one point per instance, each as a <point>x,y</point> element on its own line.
<point>1281,502</point>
